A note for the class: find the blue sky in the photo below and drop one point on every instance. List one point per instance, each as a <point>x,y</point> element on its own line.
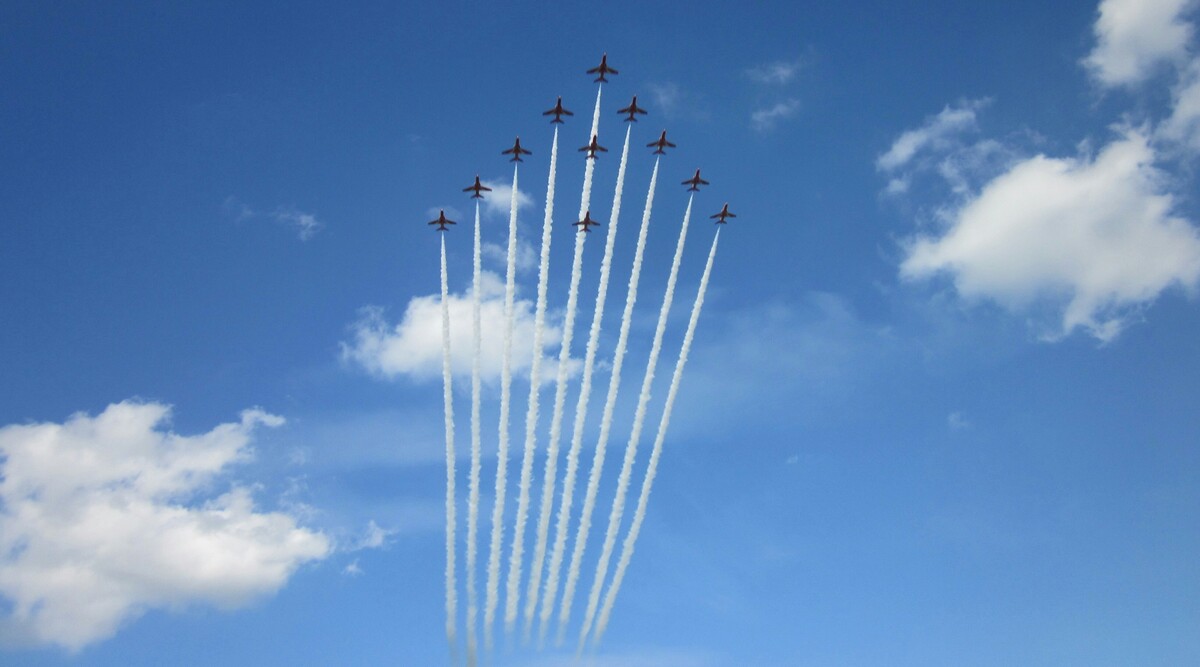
<point>939,409</point>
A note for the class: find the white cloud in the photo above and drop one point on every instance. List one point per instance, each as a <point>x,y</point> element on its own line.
<point>1133,37</point>
<point>1183,126</point>
<point>105,517</point>
<point>936,133</point>
<point>413,347</point>
<point>777,73</point>
<point>374,537</point>
<point>898,186</point>
<point>305,224</point>
<point>667,97</point>
<point>1093,237</point>
<point>353,569</point>
<point>957,422</point>
<point>961,166</point>
<point>237,209</point>
<point>527,257</point>
<point>498,202</point>
<point>765,119</point>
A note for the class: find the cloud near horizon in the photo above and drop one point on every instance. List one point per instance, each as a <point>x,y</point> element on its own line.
<point>106,517</point>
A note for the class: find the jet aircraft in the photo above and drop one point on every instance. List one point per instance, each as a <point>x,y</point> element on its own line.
<point>558,112</point>
<point>587,222</point>
<point>442,221</point>
<point>695,181</point>
<point>593,147</point>
<point>516,151</point>
<point>632,110</point>
<point>724,213</point>
<point>661,144</point>
<point>477,188</point>
<point>602,69</point>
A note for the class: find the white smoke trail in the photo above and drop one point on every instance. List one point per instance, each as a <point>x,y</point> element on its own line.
<point>640,512</point>
<point>476,456</point>
<point>531,414</point>
<point>560,395</point>
<point>614,518</point>
<point>448,404</point>
<point>585,391</point>
<point>623,338</point>
<point>493,578</point>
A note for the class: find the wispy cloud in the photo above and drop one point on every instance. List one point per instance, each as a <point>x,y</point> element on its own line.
<point>776,73</point>
<point>937,132</point>
<point>373,537</point>
<point>306,225</point>
<point>763,120</point>
<point>956,421</point>
<point>667,97</point>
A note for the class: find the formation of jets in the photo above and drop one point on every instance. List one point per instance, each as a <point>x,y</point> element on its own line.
<point>632,110</point>
<point>442,221</point>
<point>592,148</point>
<point>477,188</point>
<point>516,151</point>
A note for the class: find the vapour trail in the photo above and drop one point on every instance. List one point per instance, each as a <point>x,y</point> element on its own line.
<point>614,517</point>
<point>476,455</point>
<point>539,551</point>
<point>560,396</point>
<point>581,407</point>
<point>614,381</point>
<point>448,404</point>
<point>531,414</point>
<point>493,578</point>
<point>640,512</point>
